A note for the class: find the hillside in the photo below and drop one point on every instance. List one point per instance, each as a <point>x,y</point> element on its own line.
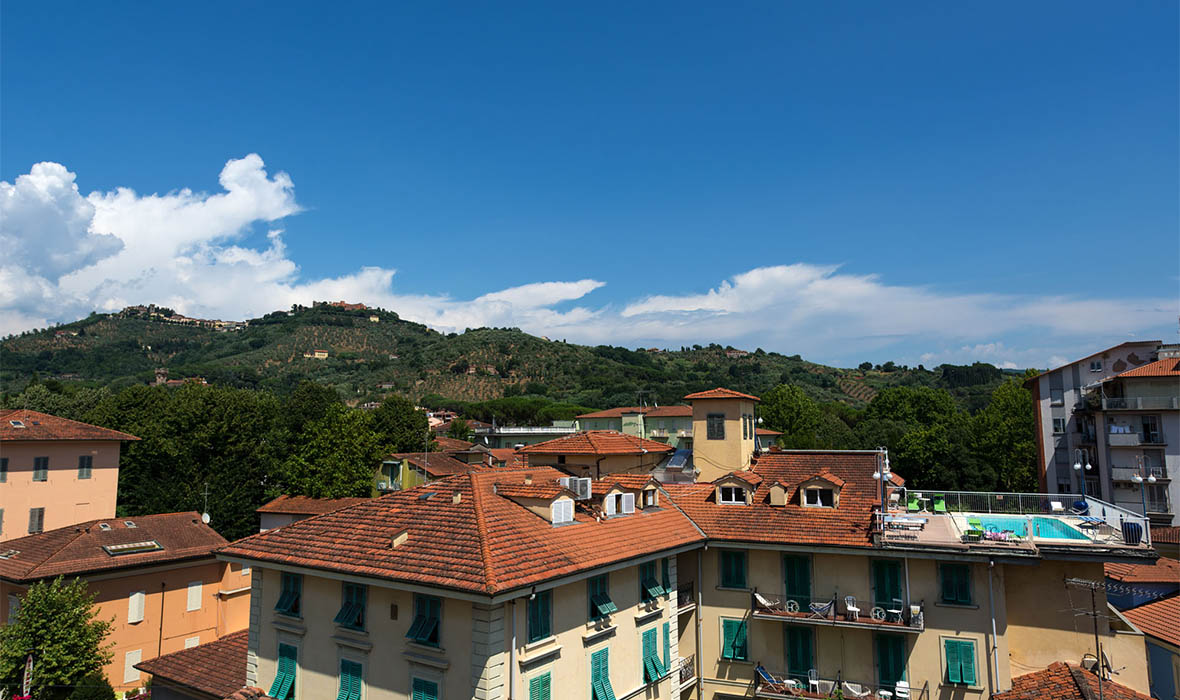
<point>373,352</point>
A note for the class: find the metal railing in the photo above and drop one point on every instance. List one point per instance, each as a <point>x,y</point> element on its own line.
<point>835,610</point>
<point>1141,403</point>
<point>1158,506</point>
<point>991,502</point>
<point>688,668</point>
<point>1129,473</point>
<point>779,684</point>
<point>525,430</point>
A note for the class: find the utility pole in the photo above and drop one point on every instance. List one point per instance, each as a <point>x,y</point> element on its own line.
<point>1093,615</point>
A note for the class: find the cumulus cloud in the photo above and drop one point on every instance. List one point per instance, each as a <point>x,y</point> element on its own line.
<point>67,254</point>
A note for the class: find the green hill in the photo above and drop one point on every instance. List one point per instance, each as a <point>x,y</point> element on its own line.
<point>399,356</point>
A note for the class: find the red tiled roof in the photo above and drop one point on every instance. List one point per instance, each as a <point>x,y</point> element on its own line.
<point>849,525</point>
<point>305,505</point>
<point>1065,682</point>
<point>1160,618</point>
<point>647,411</point>
<point>597,442</point>
<point>1162,570</point>
<point>78,549</point>
<point>1165,535</point>
<point>828,477</point>
<point>546,491</point>
<point>484,543</point>
<point>750,477</point>
<point>720,393</point>
<point>217,668</point>
<point>1160,368</point>
<point>253,693</point>
<point>42,426</point>
<point>450,443</point>
<point>634,482</point>
<point>767,431</point>
<point>510,456</point>
<point>438,463</point>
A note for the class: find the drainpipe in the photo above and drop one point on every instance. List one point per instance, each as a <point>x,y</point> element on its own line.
<point>991,608</point>
<point>511,605</point>
<point>906,562</point>
<point>699,660</point>
<point>160,641</point>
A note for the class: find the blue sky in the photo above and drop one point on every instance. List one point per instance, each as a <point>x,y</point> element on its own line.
<point>909,181</point>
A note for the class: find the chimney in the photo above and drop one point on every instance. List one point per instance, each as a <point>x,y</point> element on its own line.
<point>456,497</point>
<point>528,479</point>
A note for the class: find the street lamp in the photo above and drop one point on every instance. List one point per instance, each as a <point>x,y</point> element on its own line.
<point>1079,456</point>
<point>1139,479</point>
<point>882,473</point>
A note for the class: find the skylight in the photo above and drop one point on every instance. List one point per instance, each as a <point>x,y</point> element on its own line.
<point>16,423</point>
<point>8,554</point>
<point>129,523</point>
<point>105,527</point>
<point>132,548</point>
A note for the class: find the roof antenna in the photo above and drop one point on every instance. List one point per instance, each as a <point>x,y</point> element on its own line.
<point>205,511</point>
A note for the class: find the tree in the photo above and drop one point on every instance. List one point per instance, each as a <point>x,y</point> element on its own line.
<point>1005,433</point>
<point>791,411</point>
<point>309,402</point>
<point>865,366</point>
<point>93,687</point>
<point>336,456</point>
<point>459,429</point>
<point>58,624</point>
<point>401,427</point>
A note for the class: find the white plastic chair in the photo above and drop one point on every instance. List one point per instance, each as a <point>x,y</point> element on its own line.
<point>1056,506</point>
<point>813,680</point>
<point>901,690</point>
<point>855,690</point>
<point>852,612</point>
<point>895,610</point>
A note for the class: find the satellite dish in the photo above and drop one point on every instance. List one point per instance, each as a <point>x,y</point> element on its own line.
<point>205,518</point>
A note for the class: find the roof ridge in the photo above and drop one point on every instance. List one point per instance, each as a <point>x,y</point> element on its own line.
<point>481,531</point>
<point>57,550</point>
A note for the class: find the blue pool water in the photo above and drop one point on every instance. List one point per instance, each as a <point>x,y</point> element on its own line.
<point>1042,527</point>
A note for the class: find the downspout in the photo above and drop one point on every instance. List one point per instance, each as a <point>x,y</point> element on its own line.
<point>991,608</point>
<point>512,652</point>
<point>699,661</point>
<point>906,562</point>
<point>160,641</point>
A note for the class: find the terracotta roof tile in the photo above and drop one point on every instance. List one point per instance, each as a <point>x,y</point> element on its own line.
<point>1160,368</point>
<point>748,476</point>
<point>1165,535</point>
<point>766,431</point>
<point>1162,570</point>
<point>438,463</point>
<point>78,549</point>
<point>510,456</point>
<point>634,482</point>
<point>1062,681</point>
<point>720,393</point>
<point>1160,618</point>
<point>484,543</point>
<point>305,505</point>
<point>546,491</point>
<point>42,426</point>
<point>647,411</point>
<point>597,442</point>
<point>217,668</point>
<point>450,443</point>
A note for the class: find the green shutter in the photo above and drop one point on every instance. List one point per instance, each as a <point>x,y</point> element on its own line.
<point>948,583</point>
<point>539,616</point>
<point>954,672</point>
<point>890,659</point>
<point>956,583</point>
<point>740,651</point>
<point>350,680</point>
<point>886,581</point>
<point>285,674</point>
<point>733,569</point>
<point>424,690</point>
<point>797,579</point>
<point>963,589</point>
<point>799,652</point>
<point>728,634</point>
<point>667,646</point>
<point>967,659</point>
<point>651,672</point>
<point>539,687</point>
<point>600,676</point>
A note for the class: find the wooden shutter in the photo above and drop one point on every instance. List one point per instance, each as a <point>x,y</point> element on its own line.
<point>667,646</point>
<point>739,642</point>
<point>886,581</point>
<point>194,596</point>
<point>539,687</point>
<point>728,634</point>
<point>890,659</point>
<point>628,503</point>
<point>954,673</point>
<point>963,584</point>
<point>799,647</point>
<point>797,579</point>
<point>650,672</point>
<point>608,504</point>
<point>135,605</point>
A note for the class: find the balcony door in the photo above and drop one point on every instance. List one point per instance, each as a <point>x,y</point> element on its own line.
<point>890,659</point>
<point>799,642</point>
<point>886,581</point>
<point>797,579</point>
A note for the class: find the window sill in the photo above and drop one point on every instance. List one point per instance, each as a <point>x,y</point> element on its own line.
<point>353,643</point>
<point>544,641</point>
<point>645,615</point>
<point>598,633</point>
<point>731,588</point>
<point>352,630</point>
<point>422,660</point>
<point>288,626</point>
<point>960,606</point>
<point>419,646</point>
<point>544,653</point>
<point>744,662</point>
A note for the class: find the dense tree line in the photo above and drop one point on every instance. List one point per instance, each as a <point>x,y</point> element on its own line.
<point>245,446</point>
<point>933,442</point>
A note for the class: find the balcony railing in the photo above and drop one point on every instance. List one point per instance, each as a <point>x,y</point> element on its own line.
<point>1158,506</point>
<point>658,432</point>
<point>1134,439</point>
<point>688,669</point>
<point>840,611</point>
<point>685,597</point>
<point>687,432</point>
<point>777,684</point>
<point>1141,403</point>
<point>1129,473</point>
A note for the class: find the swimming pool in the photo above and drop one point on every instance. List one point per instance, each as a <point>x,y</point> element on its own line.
<point>1042,527</point>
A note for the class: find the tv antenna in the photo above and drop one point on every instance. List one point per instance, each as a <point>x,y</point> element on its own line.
<point>1093,614</point>
<point>205,510</point>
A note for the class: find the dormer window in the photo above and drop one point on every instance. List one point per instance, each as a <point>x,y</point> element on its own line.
<point>562,511</point>
<point>733,495</point>
<point>618,504</point>
<point>819,497</point>
<point>649,498</point>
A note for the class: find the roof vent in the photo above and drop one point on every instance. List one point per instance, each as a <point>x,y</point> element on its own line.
<point>132,548</point>
<point>456,497</point>
<point>528,479</point>
<point>399,538</point>
<point>105,527</point>
<point>129,523</point>
<point>17,423</point>
<point>8,554</point>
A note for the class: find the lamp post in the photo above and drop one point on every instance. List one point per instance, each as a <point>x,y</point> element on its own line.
<point>1140,478</point>
<point>1081,455</point>
<point>882,473</point>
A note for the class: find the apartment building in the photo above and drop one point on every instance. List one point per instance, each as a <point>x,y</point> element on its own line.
<point>55,472</point>
<point>595,453</point>
<point>671,425</point>
<point>1109,425</point>
<point>155,576</point>
<point>405,470</point>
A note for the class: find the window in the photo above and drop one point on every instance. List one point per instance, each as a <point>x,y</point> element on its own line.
<point>289,598</point>
<point>194,596</point>
<point>715,426</point>
<point>562,511</point>
<point>666,575</point>
<point>649,498</point>
<point>130,673</point>
<point>819,498</point>
<point>352,606</point>
<point>745,426</point>
<point>135,604</point>
<point>960,661</point>
<point>600,676</point>
<point>800,644</point>
<point>1058,426</point>
<point>886,582</point>
<point>1,521</point>
<point>733,568</point>
<point>956,583</point>
<point>1151,429</point>
<point>85,466</point>
<point>540,616</point>
<point>36,520</point>
<point>649,586</point>
<point>891,650</point>
<point>13,607</point>
<point>653,666</point>
<point>797,579</point>
<point>427,615</point>
<point>3,469</point>
<point>733,640</point>
<point>350,680</point>
<point>1095,365</point>
<point>284,683</point>
<point>539,687</point>
<point>619,504</point>
<point>733,495</point>
<point>424,690</point>
<point>1056,397</point>
<point>41,473</point>
<point>598,591</point>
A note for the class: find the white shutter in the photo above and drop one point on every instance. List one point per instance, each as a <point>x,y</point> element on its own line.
<point>191,642</point>
<point>568,508</point>
<point>628,503</point>
<point>135,603</point>
<point>608,504</point>
<point>194,596</point>
<point>130,673</point>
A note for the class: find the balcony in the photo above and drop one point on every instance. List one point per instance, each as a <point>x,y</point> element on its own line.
<point>1128,474</point>
<point>685,599</point>
<point>773,684</point>
<point>658,433</point>
<point>687,673</point>
<point>685,433</point>
<point>1135,439</point>
<point>834,611</point>
<point>1141,403</point>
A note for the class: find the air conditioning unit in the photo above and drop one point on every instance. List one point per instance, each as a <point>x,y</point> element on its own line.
<point>565,483</point>
<point>583,488</point>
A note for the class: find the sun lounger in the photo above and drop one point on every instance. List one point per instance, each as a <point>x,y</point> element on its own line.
<point>772,606</point>
<point>855,690</point>
<point>777,684</point>
<point>1056,507</point>
<point>822,610</point>
<point>913,505</point>
<point>939,503</point>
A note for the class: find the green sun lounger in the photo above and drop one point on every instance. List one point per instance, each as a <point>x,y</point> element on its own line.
<point>912,503</point>
<point>939,503</point>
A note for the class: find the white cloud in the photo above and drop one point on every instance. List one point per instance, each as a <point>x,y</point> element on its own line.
<point>67,254</point>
